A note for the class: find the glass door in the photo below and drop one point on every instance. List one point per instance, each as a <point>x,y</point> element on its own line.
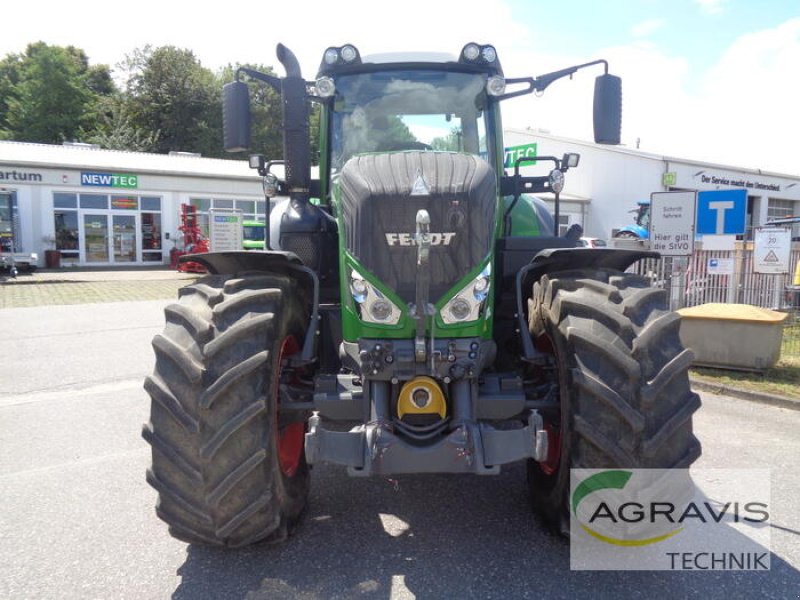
<point>95,234</point>
<point>124,240</point>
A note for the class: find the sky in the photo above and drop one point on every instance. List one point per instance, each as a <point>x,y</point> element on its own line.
<point>708,80</point>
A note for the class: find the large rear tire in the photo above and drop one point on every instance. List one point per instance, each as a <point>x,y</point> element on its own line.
<point>625,400</point>
<point>228,465</point>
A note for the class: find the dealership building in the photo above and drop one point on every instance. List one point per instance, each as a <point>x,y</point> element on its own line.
<point>610,180</point>
<point>102,207</point>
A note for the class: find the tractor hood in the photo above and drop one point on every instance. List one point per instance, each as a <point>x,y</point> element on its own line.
<point>380,195</point>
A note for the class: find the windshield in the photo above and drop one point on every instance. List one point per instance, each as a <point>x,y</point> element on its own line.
<point>408,110</point>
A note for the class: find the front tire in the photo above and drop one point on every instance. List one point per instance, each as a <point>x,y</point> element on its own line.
<point>228,465</point>
<point>625,400</point>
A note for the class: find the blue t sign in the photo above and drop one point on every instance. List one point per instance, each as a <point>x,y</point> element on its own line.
<point>722,212</point>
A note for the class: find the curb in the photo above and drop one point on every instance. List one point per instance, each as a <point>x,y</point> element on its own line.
<point>760,397</point>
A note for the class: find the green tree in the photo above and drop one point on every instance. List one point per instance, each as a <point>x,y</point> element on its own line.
<point>9,78</point>
<point>115,131</point>
<point>170,92</point>
<point>49,93</point>
<point>451,142</point>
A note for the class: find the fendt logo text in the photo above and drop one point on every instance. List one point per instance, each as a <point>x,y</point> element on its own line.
<point>407,239</point>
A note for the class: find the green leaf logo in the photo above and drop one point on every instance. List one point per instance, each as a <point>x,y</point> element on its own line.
<point>616,480</point>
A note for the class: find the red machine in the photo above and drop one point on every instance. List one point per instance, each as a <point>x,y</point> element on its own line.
<point>193,241</point>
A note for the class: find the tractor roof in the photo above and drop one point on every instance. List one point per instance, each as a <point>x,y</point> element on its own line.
<point>409,57</point>
<point>472,58</point>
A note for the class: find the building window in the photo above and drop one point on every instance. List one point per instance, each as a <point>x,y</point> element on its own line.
<point>67,237</point>
<point>778,208</point>
<point>151,237</point>
<point>252,210</point>
<point>129,232</point>
<point>150,203</point>
<point>201,204</point>
<point>61,200</point>
<point>124,202</point>
<point>247,207</point>
<point>95,201</point>
<point>563,224</point>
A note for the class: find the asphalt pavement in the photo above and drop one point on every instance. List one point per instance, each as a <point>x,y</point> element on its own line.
<point>68,286</point>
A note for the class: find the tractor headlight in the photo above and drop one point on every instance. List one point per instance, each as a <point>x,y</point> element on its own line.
<point>380,310</point>
<point>489,54</point>
<point>359,288</point>
<point>349,53</point>
<point>325,87</point>
<point>495,85</point>
<point>337,56</point>
<point>480,288</point>
<point>373,306</point>
<point>467,304</point>
<point>556,181</point>
<point>331,56</point>
<point>475,53</point>
<point>458,309</point>
<point>472,52</point>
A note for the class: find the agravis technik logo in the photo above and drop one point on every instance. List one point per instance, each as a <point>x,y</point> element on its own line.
<point>651,519</point>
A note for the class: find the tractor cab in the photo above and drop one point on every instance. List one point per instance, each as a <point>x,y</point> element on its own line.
<point>640,230</point>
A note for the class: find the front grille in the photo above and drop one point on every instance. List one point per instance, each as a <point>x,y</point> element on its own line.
<point>379,213</point>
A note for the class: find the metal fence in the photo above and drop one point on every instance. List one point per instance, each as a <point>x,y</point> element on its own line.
<point>728,277</point>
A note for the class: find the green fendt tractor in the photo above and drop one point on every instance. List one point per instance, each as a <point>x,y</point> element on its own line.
<point>420,318</point>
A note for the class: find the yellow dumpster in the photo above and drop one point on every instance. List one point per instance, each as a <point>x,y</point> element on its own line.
<point>733,336</point>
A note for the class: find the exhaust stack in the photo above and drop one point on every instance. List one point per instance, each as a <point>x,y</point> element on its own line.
<point>296,145</point>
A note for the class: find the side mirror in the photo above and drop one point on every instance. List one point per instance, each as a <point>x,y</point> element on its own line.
<point>236,116</point>
<point>607,109</point>
<point>257,162</point>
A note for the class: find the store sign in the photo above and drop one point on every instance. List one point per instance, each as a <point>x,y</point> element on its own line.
<point>225,230</point>
<point>20,176</point>
<point>720,266</point>
<point>672,222</point>
<point>773,247</point>
<point>743,183</point>
<point>112,180</point>
<point>514,153</point>
<point>669,178</point>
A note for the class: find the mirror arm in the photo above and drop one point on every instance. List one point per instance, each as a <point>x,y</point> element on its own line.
<point>531,87</point>
<point>539,84</point>
<point>271,80</point>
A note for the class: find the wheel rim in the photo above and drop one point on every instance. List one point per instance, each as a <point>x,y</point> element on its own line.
<point>291,437</point>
